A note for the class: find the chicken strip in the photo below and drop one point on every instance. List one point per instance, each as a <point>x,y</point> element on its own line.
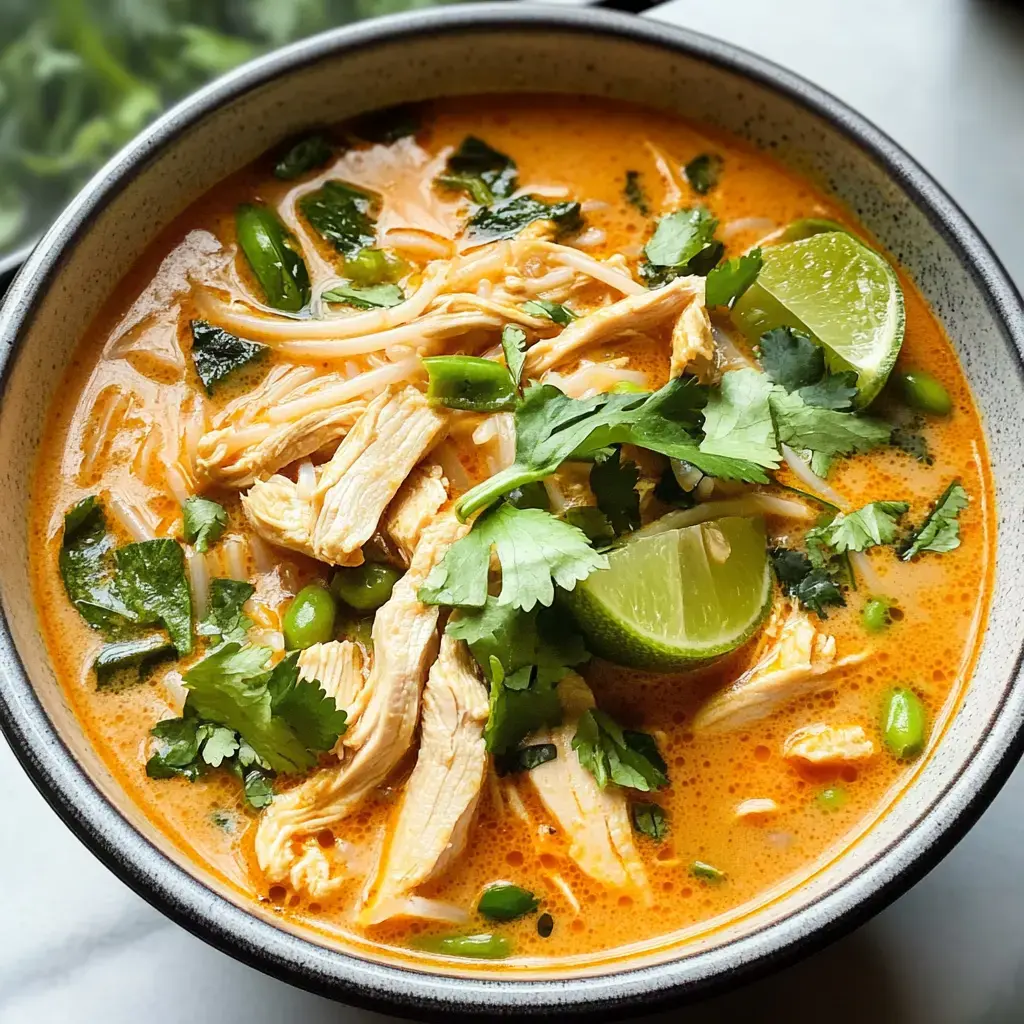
<point>693,341</point>
<point>822,744</point>
<point>442,792</point>
<point>398,428</point>
<point>338,666</point>
<point>595,820</point>
<point>280,514</point>
<point>635,314</point>
<point>405,642</point>
<point>418,500</point>
<point>798,660</point>
<point>292,414</point>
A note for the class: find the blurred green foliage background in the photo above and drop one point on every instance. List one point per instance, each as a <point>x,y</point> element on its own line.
<point>79,78</point>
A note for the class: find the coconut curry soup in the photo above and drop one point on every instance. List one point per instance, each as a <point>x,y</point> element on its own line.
<point>513,529</point>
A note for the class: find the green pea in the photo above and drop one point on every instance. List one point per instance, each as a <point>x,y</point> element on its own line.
<point>875,616</point>
<point>310,618</point>
<point>832,799</point>
<point>374,266</point>
<point>504,901</point>
<point>903,724</point>
<point>924,392</point>
<point>365,587</point>
<point>477,947</point>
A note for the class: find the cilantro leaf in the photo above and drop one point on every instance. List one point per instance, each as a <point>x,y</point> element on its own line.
<point>874,524</point>
<point>515,712</point>
<point>506,219</point>
<point>179,749</point>
<point>728,281</point>
<point>824,431</point>
<point>909,438</point>
<point>342,215</point>
<point>151,582</point>
<point>611,754</point>
<point>553,311</point>
<point>205,521</point>
<point>703,172</point>
<point>141,652</point>
<point>305,705</point>
<point>225,619</point>
<point>633,190</point>
<point>257,787</point>
<point>220,744</point>
<point>217,353</point>
<point>833,391</point>
<point>682,243</point>
<point>813,586</point>
<point>483,172</point>
<point>738,420</point>
<point>614,485</point>
<point>533,548</point>
<point>388,125</point>
<point>305,155</point>
<point>525,759</point>
<point>372,296</point>
<point>513,345</point>
<point>941,529</point>
<point>791,358</point>
<point>650,820</point>
<point>593,522</point>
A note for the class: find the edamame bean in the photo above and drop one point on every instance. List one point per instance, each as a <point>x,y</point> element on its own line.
<point>310,618</point>
<point>924,392</point>
<point>504,901</point>
<point>903,724</point>
<point>365,587</point>
<point>832,798</point>
<point>875,616</point>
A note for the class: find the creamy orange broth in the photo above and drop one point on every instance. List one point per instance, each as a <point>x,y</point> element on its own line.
<point>585,146</point>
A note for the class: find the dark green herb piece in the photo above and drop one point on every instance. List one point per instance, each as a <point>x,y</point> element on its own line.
<point>814,587</point>
<point>683,243</point>
<point>532,495</point>
<point>867,527</point>
<point>545,926</point>
<point>507,219</point>
<point>179,749</point>
<point>484,173</point>
<point>612,754</point>
<point>667,490</point>
<point>151,582</point>
<point>274,257</point>
<point>904,726</point>
<point>365,587</point>
<point>374,296</point>
<point>513,345</point>
<point>728,281</point>
<point>941,530</point>
<point>593,522</point>
<point>473,947</point>
<point>205,521</point>
<point>257,787</point>
<point>555,311</point>
<point>706,872</point>
<point>826,433</point>
<point>388,125</point>
<point>470,383</point>
<point>343,215</point>
<point>123,654</point>
<point>505,902</point>
<point>217,353</point>
<point>834,391</point>
<point>310,618</point>
<point>910,439</point>
<point>793,360</point>
<point>305,155</point>
<point>650,820</point>
<point>703,172</point>
<point>614,485</point>
<point>225,620</point>
<point>525,759</point>
<point>634,192</point>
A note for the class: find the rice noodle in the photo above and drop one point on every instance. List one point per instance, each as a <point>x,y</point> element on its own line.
<point>452,466</point>
<point>556,496</point>
<point>732,355</point>
<point>814,483</point>
<point>865,571</point>
<point>591,238</point>
<point>176,484</point>
<point>596,378</point>
<point>756,504</point>
<point>199,577</point>
<point>584,264</point>
<point>133,519</point>
<point>421,907</point>
<point>233,551</point>
<point>263,558</point>
<point>420,244</point>
<point>306,480</point>
<point>563,886</point>
<point>515,802</point>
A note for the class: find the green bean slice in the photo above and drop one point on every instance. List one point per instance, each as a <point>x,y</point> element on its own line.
<point>904,726</point>
<point>476,947</point>
<point>273,256</point>
<point>469,383</point>
<point>365,587</point>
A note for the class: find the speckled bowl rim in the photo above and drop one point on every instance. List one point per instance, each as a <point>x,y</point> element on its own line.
<point>230,928</point>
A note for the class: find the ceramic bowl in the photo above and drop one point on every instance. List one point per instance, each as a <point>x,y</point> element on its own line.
<point>479,49</point>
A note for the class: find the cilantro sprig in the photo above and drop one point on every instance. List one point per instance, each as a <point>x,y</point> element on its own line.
<point>940,532</point>
<point>613,754</point>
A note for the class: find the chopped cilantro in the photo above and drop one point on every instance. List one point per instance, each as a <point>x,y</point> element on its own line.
<point>225,620</point>
<point>593,522</point>
<point>941,529</point>
<point>703,172</point>
<point>633,190</point>
<point>682,243</point>
<point>613,754</point>
<point>553,311</point>
<point>813,586</point>
<point>342,215</point>
<point>205,521</point>
<point>525,759</point>
<point>217,353</point>
<point>728,281</point>
<point>372,296</point>
<point>388,125</point>
<point>794,361</point>
<point>825,432</point>
<point>151,582</point>
<point>874,524</point>
<point>305,155</point>
<point>142,653</point>
<point>507,218</point>
<point>650,820</point>
<point>484,173</point>
<point>910,439</point>
<point>614,485</point>
<point>738,420</point>
<point>513,345</point>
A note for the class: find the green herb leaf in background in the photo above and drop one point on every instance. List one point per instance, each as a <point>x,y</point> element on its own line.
<point>304,156</point>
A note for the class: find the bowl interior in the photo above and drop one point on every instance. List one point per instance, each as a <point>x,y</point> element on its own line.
<point>471,50</point>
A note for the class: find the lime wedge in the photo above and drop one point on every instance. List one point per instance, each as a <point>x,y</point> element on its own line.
<point>672,598</point>
<point>840,292</point>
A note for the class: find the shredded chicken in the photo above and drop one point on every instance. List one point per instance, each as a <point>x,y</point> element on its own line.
<point>418,500</point>
<point>444,788</point>
<point>338,666</point>
<point>693,341</point>
<point>798,660</point>
<point>405,642</point>
<point>596,821</point>
<point>280,514</point>
<point>635,314</point>
<point>356,486</point>
<point>828,744</point>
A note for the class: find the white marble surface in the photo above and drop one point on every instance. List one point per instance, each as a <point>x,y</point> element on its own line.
<point>946,79</point>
